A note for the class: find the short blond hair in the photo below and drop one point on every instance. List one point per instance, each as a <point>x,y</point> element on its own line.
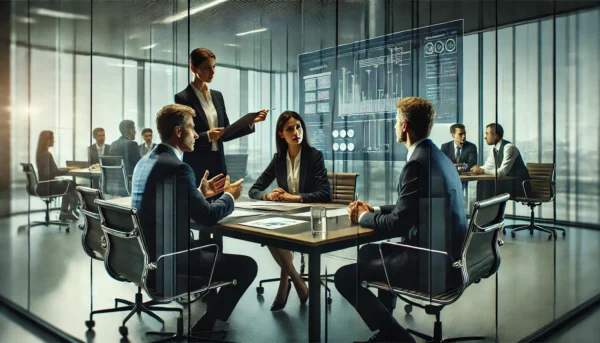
<point>419,114</point>
<point>171,116</point>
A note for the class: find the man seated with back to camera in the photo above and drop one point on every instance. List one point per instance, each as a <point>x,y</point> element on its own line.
<point>176,129</point>
<point>427,175</point>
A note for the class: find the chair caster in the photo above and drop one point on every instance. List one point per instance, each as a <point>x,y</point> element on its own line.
<point>123,330</point>
<point>90,324</point>
<point>564,234</point>
<point>329,301</point>
<point>530,232</point>
<point>260,290</point>
<point>550,237</point>
<point>81,226</point>
<point>67,230</point>
<point>408,308</point>
<point>504,231</point>
<point>512,234</point>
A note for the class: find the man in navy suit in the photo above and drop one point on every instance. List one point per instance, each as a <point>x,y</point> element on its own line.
<point>126,146</point>
<point>163,166</point>
<point>429,191</point>
<point>459,150</point>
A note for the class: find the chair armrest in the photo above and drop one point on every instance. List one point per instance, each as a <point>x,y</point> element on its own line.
<point>552,188</point>
<point>214,262</point>
<point>49,182</point>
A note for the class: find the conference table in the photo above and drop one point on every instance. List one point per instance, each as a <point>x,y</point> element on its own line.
<point>341,234</point>
<point>85,172</point>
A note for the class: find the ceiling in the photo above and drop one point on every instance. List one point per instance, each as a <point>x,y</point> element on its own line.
<point>133,29</point>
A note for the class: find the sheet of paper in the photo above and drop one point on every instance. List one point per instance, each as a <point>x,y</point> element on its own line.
<point>241,213</point>
<point>331,213</point>
<point>241,124</point>
<point>273,223</point>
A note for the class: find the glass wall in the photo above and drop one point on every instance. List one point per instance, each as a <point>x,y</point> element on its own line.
<point>73,66</point>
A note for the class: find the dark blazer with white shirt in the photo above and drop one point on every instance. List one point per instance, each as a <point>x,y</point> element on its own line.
<point>199,159</point>
<point>93,153</point>
<point>128,149</point>
<point>144,150</point>
<point>468,154</point>
<point>314,185</point>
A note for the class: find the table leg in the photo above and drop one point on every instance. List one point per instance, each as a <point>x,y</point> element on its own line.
<point>314,297</point>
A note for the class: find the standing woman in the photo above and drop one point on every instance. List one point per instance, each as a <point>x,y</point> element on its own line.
<point>301,177</point>
<point>48,170</point>
<point>211,117</point>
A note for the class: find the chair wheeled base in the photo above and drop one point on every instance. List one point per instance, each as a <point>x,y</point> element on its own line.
<point>47,221</point>
<point>533,226</point>
<point>179,336</point>
<point>437,327</point>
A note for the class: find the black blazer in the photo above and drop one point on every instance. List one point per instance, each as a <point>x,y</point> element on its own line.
<point>199,159</point>
<point>152,172</point>
<point>314,184</point>
<point>427,175</point>
<point>143,150</point>
<point>93,153</point>
<point>47,169</point>
<point>128,149</point>
<point>468,154</point>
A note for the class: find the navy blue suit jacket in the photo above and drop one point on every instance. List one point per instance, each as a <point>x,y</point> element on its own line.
<point>428,175</point>
<point>314,185</point>
<point>157,168</point>
<point>468,154</point>
<point>199,159</point>
<point>128,149</point>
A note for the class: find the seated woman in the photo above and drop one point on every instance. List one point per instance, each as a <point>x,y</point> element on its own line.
<point>301,177</point>
<point>47,170</point>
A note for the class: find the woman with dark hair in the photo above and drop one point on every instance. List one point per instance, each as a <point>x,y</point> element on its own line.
<point>301,177</point>
<point>47,170</point>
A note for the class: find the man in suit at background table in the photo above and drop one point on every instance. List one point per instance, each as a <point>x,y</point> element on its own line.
<point>126,146</point>
<point>459,150</point>
<point>99,149</point>
<point>429,187</point>
<point>151,179</point>
<point>147,146</point>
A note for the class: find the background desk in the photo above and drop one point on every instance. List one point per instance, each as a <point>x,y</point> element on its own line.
<point>341,234</point>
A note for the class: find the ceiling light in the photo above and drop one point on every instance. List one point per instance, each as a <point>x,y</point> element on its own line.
<point>249,32</point>
<point>184,14</point>
<point>122,65</point>
<point>58,14</point>
<point>25,20</point>
<point>149,46</point>
<point>231,45</point>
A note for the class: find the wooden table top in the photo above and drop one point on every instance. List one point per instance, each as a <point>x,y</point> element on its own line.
<point>338,228</point>
<point>85,172</point>
<point>469,177</point>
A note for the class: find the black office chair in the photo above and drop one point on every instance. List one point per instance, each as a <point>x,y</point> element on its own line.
<point>41,189</point>
<point>480,259</point>
<point>542,191</point>
<point>94,243</point>
<point>343,190</point>
<point>114,180</point>
<point>127,259</point>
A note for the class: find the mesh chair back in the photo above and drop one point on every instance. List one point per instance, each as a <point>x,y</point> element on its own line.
<point>236,166</point>
<point>126,254</point>
<point>480,256</point>
<point>343,186</point>
<point>32,179</point>
<point>542,174</point>
<point>92,239</point>
<point>114,180</point>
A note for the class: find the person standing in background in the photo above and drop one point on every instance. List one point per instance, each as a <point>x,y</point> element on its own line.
<point>147,146</point>
<point>95,151</point>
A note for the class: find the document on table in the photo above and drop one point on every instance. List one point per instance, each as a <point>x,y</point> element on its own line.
<point>270,206</point>
<point>241,213</point>
<point>331,213</point>
<point>273,223</point>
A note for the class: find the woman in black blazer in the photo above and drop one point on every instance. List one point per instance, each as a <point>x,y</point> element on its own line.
<point>301,177</point>
<point>47,170</point>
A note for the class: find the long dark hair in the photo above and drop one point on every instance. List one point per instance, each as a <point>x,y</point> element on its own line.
<point>280,143</point>
<point>43,144</point>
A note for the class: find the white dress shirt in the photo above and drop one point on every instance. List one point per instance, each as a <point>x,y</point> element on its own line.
<point>209,109</point>
<point>100,150</point>
<point>179,155</point>
<point>510,156</point>
<point>293,173</point>
<point>377,209</point>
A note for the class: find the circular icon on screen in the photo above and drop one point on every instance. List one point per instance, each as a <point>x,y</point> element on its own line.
<point>429,48</point>
<point>439,47</point>
<point>335,133</point>
<point>343,146</point>
<point>450,44</point>
<point>336,147</point>
<point>350,133</point>
<point>350,147</point>
<point>343,133</point>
